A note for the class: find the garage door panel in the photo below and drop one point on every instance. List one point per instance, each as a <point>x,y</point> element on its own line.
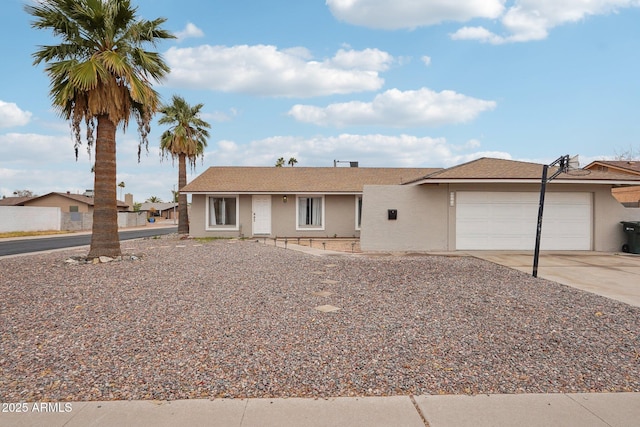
<point>507,221</point>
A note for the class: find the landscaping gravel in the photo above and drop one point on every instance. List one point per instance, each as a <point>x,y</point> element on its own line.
<point>223,318</point>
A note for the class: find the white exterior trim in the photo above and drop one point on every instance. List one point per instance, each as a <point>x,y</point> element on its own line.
<point>276,193</point>
<point>522,181</point>
<point>324,219</point>
<point>207,227</point>
<point>358,226</point>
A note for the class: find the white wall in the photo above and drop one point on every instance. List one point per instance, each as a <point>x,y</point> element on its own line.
<point>131,219</point>
<point>25,218</point>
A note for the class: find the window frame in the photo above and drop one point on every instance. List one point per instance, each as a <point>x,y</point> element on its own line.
<point>305,227</point>
<point>207,223</point>
<point>358,198</point>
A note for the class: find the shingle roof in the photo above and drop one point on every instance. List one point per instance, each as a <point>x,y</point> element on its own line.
<point>628,166</point>
<point>77,197</point>
<point>14,201</point>
<point>299,179</point>
<point>159,206</point>
<point>500,169</point>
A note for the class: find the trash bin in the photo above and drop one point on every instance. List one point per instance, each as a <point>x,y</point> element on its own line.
<point>152,219</point>
<point>632,230</point>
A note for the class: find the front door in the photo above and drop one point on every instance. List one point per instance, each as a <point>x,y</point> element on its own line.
<point>261,206</point>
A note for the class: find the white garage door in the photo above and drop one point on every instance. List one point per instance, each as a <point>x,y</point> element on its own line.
<point>504,221</point>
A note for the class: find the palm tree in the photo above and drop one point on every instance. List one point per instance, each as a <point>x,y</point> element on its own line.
<point>121,185</point>
<point>185,139</point>
<point>101,75</point>
<point>154,199</point>
<point>280,162</point>
<point>292,161</point>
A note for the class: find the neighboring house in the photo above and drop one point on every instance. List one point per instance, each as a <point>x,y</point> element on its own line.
<point>285,202</point>
<point>163,210</point>
<point>74,211</point>
<point>492,204</point>
<point>628,196</point>
<point>68,202</point>
<point>14,201</point>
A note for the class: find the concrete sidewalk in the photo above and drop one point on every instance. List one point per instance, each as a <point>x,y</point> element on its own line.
<point>569,410</point>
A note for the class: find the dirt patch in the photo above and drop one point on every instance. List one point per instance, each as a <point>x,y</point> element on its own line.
<point>340,245</point>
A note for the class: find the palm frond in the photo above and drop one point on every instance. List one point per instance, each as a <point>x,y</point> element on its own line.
<point>101,66</point>
<point>188,133</point>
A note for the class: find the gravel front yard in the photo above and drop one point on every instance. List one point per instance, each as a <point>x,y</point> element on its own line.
<point>238,319</point>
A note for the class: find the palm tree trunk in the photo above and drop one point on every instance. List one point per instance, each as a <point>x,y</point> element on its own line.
<point>104,239</point>
<point>183,216</point>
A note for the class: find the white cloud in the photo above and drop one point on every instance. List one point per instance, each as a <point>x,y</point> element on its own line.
<point>368,59</point>
<point>411,13</point>
<point>522,20</point>
<point>426,60</point>
<point>43,164</point>
<point>528,20</point>
<point>220,116</point>
<point>373,150</point>
<point>11,115</point>
<point>476,33</point>
<point>190,31</point>
<point>29,147</point>
<point>34,162</point>
<point>267,71</point>
<point>396,108</point>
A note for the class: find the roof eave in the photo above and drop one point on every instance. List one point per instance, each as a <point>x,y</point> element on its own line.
<point>347,192</point>
<point>522,181</point>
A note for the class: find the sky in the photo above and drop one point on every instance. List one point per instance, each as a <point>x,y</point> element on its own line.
<point>387,83</point>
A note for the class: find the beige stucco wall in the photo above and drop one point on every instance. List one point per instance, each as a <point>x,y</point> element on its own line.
<point>422,218</point>
<point>426,220</point>
<point>61,202</point>
<point>608,212</point>
<point>340,218</point>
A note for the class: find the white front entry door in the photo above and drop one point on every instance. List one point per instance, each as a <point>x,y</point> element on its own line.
<point>261,206</point>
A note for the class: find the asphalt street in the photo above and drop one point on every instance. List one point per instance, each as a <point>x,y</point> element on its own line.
<point>14,247</point>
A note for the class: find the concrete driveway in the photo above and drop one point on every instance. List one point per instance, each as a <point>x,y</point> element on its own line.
<point>613,275</point>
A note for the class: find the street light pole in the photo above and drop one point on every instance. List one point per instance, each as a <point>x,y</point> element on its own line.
<point>563,163</point>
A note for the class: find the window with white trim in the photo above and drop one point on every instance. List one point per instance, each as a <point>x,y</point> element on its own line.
<point>222,212</point>
<point>358,211</point>
<point>310,212</point>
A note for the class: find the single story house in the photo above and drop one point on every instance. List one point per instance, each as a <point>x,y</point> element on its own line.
<point>492,204</point>
<point>485,204</point>
<point>628,196</point>
<point>14,201</point>
<point>160,209</point>
<point>285,201</point>
<point>68,202</point>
